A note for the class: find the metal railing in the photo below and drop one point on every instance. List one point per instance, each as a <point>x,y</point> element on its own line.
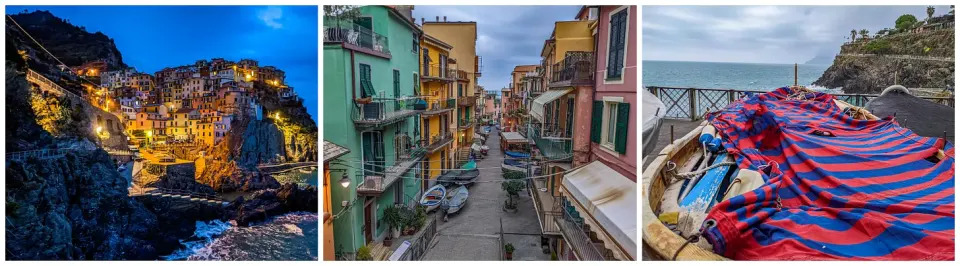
<point>551,148</point>
<point>435,142</point>
<point>359,36</point>
<point>465,122</point>
<point>376,182</point>
<point>461,75</point>
<point>421,242</point>
<point>692,103</point>
<point>381,111</point>
<point>576,68</point>
<point>43,154</point>
<point>573,232</point>
<point>467,100</point>
<point>436,105</point>
<point>437,71</point>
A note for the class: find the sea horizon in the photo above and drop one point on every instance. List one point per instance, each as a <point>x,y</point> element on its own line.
<point>732,75</point>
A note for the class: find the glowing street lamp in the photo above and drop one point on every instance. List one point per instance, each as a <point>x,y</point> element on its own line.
<point>344,181</point>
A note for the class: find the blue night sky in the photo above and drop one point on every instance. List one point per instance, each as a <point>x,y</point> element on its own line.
<point>153,37</point>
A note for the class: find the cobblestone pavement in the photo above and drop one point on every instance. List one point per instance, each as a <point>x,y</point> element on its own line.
<point>473,233</point>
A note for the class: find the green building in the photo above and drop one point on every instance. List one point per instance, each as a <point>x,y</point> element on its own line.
<point>370,85</point>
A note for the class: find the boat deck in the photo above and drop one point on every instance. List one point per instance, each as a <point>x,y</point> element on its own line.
<point>680,128</point>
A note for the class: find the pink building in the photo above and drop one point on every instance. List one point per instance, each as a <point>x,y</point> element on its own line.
<point>616,88</point>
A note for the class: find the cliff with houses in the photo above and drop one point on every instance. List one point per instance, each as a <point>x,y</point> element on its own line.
<point>920,55</point>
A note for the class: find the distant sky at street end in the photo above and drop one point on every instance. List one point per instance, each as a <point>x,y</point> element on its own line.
<point>507,36</point>
<point>761,34</point>
<point>153,37</point>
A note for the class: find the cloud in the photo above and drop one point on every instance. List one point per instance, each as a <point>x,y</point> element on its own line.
<point>514,36</point>
<point>759,34</point>
<point>271,16</point>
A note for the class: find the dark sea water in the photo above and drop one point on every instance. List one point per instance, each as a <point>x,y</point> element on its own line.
<point>292,236</point>
<point>738,76</point>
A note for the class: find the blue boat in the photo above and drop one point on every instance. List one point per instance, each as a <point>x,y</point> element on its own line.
<point>456,199</point>
<point>519,155</point>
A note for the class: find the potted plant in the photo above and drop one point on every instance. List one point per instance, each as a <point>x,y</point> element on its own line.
<point>392,217</point>
<point>508,249</point>
<point>512,186</point>
<point>363,253</point>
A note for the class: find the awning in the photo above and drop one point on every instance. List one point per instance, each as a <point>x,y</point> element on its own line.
<point>513,138</point>
<point>536,109</point>
<point>609,199</point>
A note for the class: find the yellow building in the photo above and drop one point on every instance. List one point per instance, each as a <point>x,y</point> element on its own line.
<point>462,35</point>
<point>437,77</point>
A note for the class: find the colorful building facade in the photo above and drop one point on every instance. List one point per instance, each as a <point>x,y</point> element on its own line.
<point>463,37</point>
<point>369,94</point>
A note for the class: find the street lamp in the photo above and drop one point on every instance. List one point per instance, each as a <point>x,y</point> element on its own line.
<point>344,181</point>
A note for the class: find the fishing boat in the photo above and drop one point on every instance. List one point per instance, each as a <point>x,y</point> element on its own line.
<point>456,200</point>
<point>792,180</point>
<point>516,154</point>
<point>434,197</point>
<point>513,165</point>
<point>463,176</point>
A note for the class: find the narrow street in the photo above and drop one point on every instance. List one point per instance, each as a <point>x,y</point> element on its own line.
<point>473,233</point>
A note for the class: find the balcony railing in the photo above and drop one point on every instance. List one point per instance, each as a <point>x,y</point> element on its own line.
<point>467,101</point>
<point>434,143</point>
<point>375,183</point>
<point>462,75</point>
<point>358,36</point>
<point>384,111</point>
<point>576,68</point>
<point>551,144</point>
<point>465,122</point>
<point>437,72</point>
<point>437,105</point>
<point>572,229</point>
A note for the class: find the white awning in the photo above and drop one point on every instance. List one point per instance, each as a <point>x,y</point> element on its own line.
<point>609,200</point>
<point>513,137</point>
<point>536,109</point>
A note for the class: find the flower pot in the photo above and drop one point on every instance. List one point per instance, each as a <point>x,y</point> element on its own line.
<point>364,100</point>
<point>509,256</point>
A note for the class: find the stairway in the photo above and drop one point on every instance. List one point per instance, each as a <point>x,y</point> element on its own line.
<point>379,251</point>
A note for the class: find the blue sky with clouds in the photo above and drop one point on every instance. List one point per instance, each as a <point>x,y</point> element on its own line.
<point>507,36</point>
<point>760,34</point>
<point>153,37</point>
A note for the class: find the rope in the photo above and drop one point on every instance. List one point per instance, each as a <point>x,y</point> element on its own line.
<point>693,238</point>
<point>688,175</point>
<point>48,52</point>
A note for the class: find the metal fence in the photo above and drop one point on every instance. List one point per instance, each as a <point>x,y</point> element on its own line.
<point>693,103</point>
<point>575,68</point>
<point>421,242</point>
<point>578,240</point>
<point>356,35</point>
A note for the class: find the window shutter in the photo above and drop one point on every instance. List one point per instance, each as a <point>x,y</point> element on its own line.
<point>612,53</point>
<point>623,120</point>
<point>596,121</point>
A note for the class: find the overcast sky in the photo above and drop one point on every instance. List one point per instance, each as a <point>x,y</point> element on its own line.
<point>760,34</point>
<point>507,36</point>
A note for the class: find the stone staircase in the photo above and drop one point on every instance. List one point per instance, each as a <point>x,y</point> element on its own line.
<point>379,251</point>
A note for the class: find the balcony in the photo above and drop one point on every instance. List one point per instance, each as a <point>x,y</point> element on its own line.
<point>574,234</point>
<point>434,143</point>
<point>555,145</point>
<point>467,101</point>
<point>436,105</point>
<point>464,123</point>
<point>378,112</point>
<point>575,69</point>
<point>375,183</point>
<point>462,75</point>
<point>546,205</point>
<point>437,73</point>
<point>356,37</point>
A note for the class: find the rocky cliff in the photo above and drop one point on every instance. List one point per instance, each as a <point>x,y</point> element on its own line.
<point>913,60</point>
<point>72,44</point>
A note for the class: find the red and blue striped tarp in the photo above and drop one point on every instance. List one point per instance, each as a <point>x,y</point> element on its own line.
<point>836,187</point>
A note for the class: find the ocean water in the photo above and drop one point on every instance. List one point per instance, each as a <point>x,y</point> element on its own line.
<point>292,236</point>
<point>303,176</point>
<point>737,76</point>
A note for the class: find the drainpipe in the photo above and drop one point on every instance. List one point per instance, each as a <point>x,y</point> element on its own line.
<point>353,76</point>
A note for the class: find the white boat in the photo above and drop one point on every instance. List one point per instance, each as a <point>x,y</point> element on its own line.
<point>433,197</point>
<point>653,113</point>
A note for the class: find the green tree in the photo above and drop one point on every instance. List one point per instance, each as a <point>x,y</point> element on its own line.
<point>878,46</point>
<point>930,10</point>
<point>905,22</point>
<point>864,34</point>
<point>853,35</point>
